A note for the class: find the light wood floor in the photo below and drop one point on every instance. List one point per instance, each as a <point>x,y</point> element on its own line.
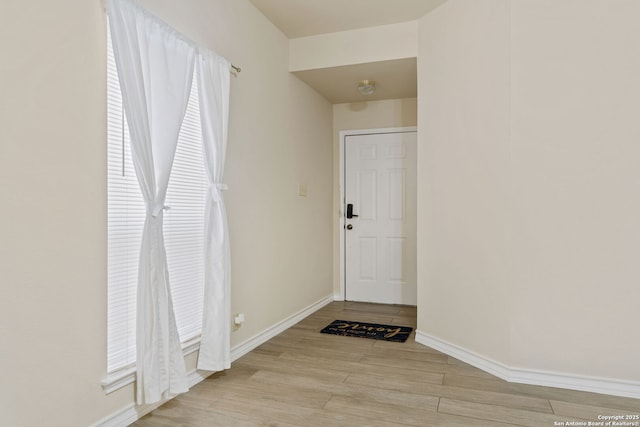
<point>305,378</point>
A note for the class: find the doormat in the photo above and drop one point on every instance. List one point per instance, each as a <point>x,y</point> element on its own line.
<point>368,330</point>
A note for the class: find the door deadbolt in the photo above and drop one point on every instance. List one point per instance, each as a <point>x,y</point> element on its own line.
<point>349,227</point>
<point>350,213</point>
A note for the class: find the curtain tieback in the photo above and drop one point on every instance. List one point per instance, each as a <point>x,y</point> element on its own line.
<point>155,208</point>
<point>216,191</point>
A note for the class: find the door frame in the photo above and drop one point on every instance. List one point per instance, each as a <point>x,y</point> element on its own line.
<point>342,162</point>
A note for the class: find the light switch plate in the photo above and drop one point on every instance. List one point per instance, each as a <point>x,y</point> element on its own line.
<point>302,190</point>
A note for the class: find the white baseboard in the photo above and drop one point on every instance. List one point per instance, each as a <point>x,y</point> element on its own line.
<point>241,349</point>
<point>123,417</point>
<point>532,376</point>
<point>132,413</point>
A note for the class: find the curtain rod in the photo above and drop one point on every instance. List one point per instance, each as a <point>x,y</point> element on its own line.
<point>236,69</point>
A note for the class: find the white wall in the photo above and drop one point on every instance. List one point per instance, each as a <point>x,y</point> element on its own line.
<point>356,116</point>
<point>575,171</point>
<point>463,181</point>
<point>374,115</point>
<point>528,180</point>
<point>373,44</point>
<point>53,216</point>
<point>53,192</point>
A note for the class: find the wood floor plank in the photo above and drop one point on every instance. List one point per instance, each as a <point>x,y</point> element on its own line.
<point>497,413</point>
<point>329,418</point>
<point>172,415</point>
<point>277,364</point>
<point>293,380</point>
<point>514,401</point>
<point>254,390</point>
<point>412,417</point>
<point>456,393</point>
<point>550,393</point>
<point>271,412</point>
<point>426,366</point>
<point>492,398</point>
<point>398,399</point>
<point>412,385</point>
<point>409,345</point>
<point>372,308</point>
<point>318,353</point>
<point>586,412</point>
<point>378,410</point>
<point>302,378</point>
<point>400,353</point>
<point>397,369</point>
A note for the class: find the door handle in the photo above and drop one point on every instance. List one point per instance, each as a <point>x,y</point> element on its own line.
<point>350,213</point>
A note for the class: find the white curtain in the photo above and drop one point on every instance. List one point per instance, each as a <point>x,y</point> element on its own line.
<point>155,69</point>
<point>214,81</point>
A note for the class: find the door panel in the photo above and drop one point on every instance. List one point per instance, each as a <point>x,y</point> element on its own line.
<point>380,246</point>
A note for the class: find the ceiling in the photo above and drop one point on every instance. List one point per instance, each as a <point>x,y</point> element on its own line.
<point>394,80</point>
<point>301,18</point>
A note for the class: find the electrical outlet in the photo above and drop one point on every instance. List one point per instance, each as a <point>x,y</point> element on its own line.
<point>238,320</point>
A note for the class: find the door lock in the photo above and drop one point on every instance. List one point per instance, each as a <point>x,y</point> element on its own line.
<point>349,227</point>
<point>350,213</point>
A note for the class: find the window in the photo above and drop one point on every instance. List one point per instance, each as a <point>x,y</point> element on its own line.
<point>183,227</point>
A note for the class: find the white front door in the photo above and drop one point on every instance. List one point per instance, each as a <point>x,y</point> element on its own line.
<point>380,236</point>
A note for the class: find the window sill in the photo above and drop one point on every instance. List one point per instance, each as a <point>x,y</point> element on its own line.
<point>127,375</point>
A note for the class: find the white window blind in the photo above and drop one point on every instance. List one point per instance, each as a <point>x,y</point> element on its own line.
<point>183,227</point>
